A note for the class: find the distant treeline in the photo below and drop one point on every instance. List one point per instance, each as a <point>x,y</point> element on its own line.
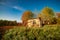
<point>8,23</point>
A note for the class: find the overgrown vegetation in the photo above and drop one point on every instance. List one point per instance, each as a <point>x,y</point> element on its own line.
<point>48,32</point>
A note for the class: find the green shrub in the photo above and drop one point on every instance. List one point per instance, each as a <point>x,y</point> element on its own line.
<point>51,32</point>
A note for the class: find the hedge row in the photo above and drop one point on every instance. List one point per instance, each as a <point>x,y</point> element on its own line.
<point>7,23</point>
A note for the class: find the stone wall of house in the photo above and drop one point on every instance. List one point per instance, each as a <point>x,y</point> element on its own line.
<point>30,23</point>
<point>34,23</point>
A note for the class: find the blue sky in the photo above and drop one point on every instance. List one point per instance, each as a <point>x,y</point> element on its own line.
<point>13,9</point>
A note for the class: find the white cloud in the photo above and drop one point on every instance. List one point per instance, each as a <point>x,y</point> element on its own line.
<point>19,8</point>
<point>15,7</point>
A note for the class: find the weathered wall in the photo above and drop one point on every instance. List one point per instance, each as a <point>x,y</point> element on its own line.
<point>34,23</point>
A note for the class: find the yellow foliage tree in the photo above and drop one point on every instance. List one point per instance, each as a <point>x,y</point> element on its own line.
<point>47,14</point>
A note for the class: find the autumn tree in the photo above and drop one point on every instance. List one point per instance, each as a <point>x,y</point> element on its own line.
<point>47,14</point>
<point>26,16</point>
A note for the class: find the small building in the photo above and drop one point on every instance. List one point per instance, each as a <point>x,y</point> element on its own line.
<point>36,22</point>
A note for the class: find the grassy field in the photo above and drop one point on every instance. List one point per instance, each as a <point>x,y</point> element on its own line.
<point>48,32</point>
